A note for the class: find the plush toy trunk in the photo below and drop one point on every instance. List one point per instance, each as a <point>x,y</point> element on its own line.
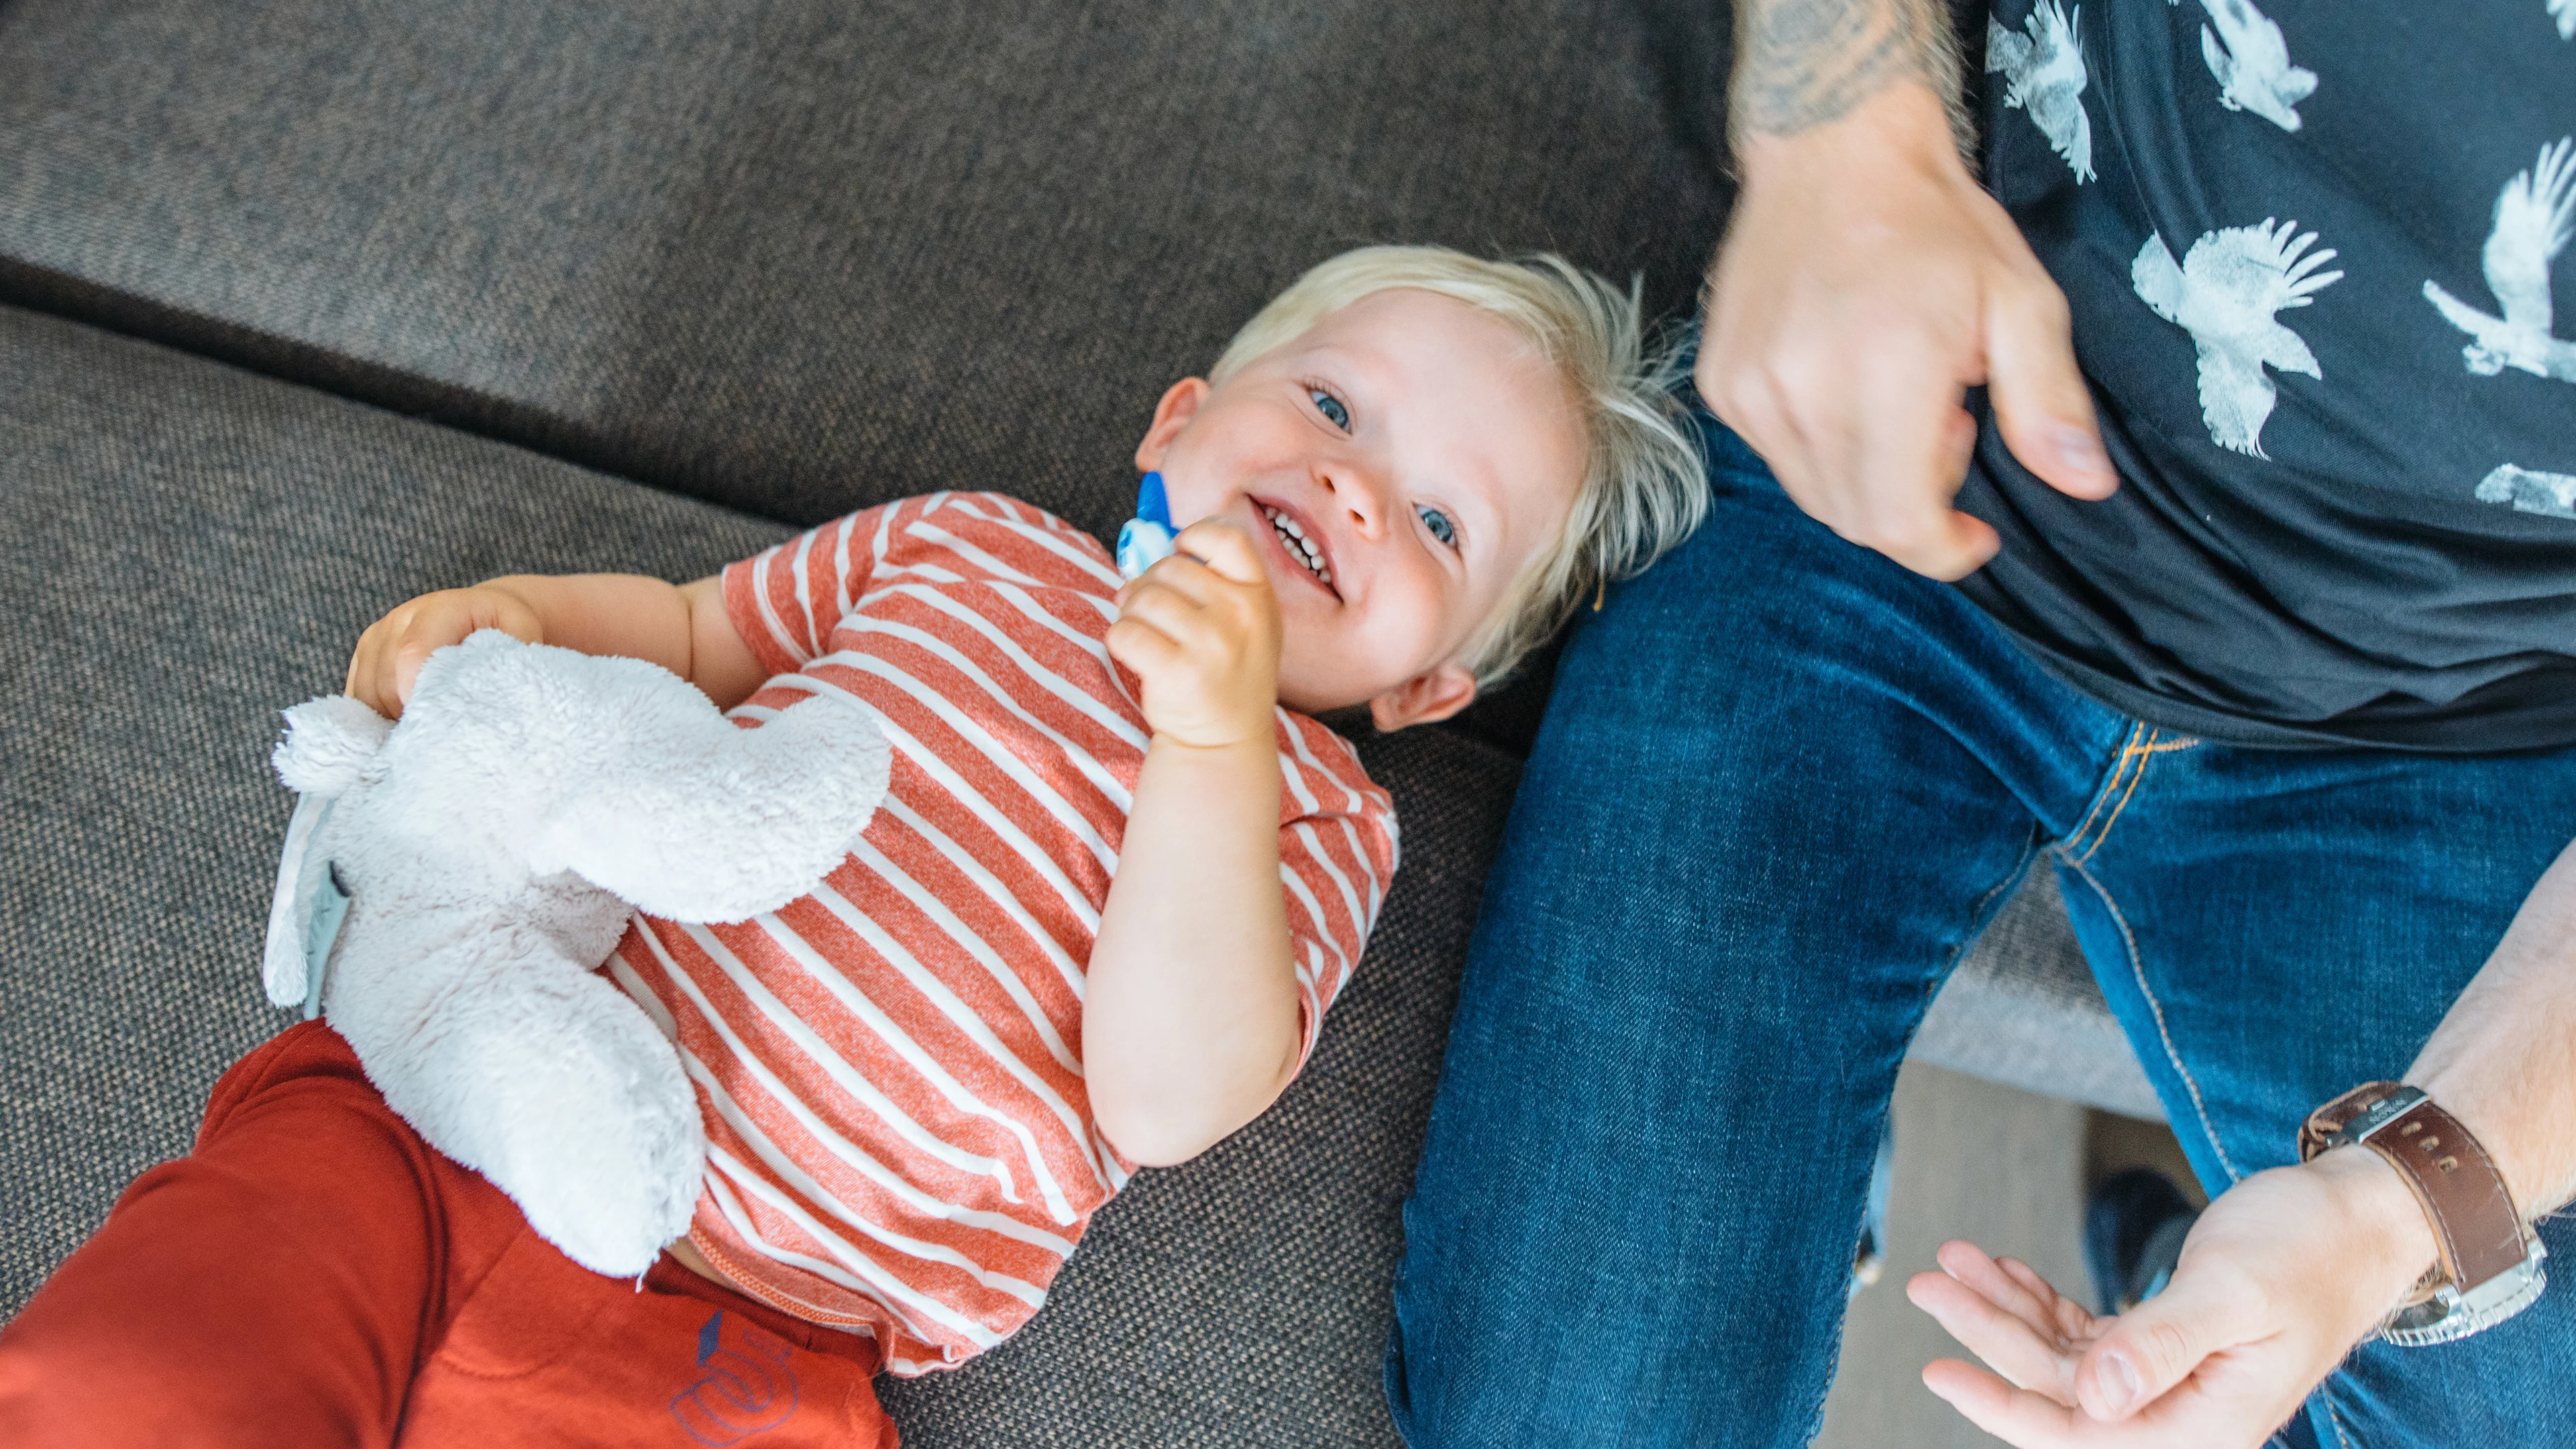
<point>655,283</point>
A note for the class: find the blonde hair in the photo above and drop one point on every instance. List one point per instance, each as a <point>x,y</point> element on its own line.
<point>1641,491</point>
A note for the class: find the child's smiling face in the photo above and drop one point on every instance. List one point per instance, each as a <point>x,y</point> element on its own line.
<point>1396,465</point>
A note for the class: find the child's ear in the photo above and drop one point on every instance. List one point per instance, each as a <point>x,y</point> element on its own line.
<point>1427,698</point>
<point>1180,404</point>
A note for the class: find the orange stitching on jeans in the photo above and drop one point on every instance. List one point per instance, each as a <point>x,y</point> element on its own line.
<point>2140,752</point>
<point>2119,767</point>
<point>2138,973</point>
<point>2165,746</point>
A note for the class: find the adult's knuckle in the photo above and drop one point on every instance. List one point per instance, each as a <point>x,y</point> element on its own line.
<point>1741,380</point>
<point>2255,1299</point>
<point>1892,533</point>
<point>1726,402</point>
<point>1807,371</point>
<point>2036,299</point>
<point>2165,1347</point>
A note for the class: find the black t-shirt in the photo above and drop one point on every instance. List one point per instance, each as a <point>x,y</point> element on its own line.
<point>2309,252</point>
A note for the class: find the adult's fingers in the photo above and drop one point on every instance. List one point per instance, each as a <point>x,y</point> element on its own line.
<point>1992,1279</point>
<point>2073,1321</point>
<point>2025,1354</point>
<point>2156,1345</point>
<point>2016,1416</point>
<point>1905,461</point>
<point>1744,395</point>
<point>1772,429</point>
<point>2042,407</point>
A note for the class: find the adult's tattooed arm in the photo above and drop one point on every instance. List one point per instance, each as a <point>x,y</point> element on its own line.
<point>1867,282</point>
<point>1802,63</point>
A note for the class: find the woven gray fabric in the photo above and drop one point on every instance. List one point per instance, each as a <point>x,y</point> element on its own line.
<point>2023,1009</point>
<point>184,548</point>
<point>800,255</point>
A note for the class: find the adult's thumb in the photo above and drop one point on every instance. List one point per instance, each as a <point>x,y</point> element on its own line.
<point>2156,1345</point>
<point>2040,401</point>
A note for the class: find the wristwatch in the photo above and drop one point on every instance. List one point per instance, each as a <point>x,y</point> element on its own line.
<point>2489,1264</point>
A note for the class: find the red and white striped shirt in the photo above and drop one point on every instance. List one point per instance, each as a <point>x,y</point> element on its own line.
<point>899,1140</point>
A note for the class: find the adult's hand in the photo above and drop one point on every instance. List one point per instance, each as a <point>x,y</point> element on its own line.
<point>1867,281</point>
<point>2279,1279</point>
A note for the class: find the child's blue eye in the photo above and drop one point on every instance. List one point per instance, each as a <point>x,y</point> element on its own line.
<point>1331,407</point>
<point>1440,526</point>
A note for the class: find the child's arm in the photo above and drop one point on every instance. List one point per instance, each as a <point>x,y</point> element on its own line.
<point>1189,1025</point>
<point>682,627</point>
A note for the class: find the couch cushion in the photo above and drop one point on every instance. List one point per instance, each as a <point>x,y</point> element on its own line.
<point>186,548</point>
<point>799,255</point>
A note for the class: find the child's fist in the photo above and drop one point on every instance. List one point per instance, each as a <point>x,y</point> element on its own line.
<point>1201,629</point>
<point>389,655</point>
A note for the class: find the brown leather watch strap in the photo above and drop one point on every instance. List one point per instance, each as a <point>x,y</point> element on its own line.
<point>2479,1231</point>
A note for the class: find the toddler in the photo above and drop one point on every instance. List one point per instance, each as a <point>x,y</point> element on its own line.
<point>1119,874</point>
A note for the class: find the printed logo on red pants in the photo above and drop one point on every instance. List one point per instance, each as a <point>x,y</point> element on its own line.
<point>748,1387</point>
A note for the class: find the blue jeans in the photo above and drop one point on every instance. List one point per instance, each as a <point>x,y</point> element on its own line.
<point>1782,786</point>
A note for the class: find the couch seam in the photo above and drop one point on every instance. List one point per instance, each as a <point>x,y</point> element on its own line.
<point>321,369</point>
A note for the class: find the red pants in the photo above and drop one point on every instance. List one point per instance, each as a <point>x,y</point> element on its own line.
<point>315,1274</point>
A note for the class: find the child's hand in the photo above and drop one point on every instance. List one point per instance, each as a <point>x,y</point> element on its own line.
<point>390,653</point>
<point>1202,629</point>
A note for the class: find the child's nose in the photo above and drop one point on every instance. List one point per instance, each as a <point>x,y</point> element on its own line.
<point>1357,492</point>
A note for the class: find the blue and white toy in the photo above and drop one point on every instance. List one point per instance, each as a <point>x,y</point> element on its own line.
<point>1146,540</point>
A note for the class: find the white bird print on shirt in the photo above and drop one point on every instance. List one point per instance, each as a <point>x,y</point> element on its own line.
<point>2534,215</point>
<point>2253,66</point>
<point>2565,11</point>
<point>2224,295</point>
<point>2530,491</point>
<point>2044,74</point>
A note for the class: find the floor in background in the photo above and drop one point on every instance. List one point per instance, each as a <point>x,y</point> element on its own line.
<point>1999,1167</point>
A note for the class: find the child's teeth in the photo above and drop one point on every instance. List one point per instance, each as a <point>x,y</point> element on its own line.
<point>1304,549</point>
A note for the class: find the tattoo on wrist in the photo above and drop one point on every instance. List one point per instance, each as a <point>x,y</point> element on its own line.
<point>1802,63</point>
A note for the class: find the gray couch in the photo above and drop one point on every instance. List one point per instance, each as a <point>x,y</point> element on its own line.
<point>307,307</point>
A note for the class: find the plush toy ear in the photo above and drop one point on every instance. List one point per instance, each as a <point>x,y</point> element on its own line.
<point>328,744</point>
